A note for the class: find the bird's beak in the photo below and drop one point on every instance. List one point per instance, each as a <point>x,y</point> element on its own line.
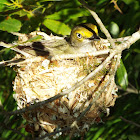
<point>97,38</point>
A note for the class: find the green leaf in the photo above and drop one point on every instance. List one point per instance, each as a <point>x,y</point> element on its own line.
<point>4,5</point>
<point>133,137</point>
<point>136,61</point>
<point>57,27</point>
<point>128,1</point>
<point>49,0</point>
<point>68,14</point>
<point>21,13</point>
<point>136,50</point>
<point>98,133</point>
<point>4,2</point>
<point>122,77</point>
<point>10,25</point>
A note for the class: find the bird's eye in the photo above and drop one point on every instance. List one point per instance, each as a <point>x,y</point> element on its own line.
<point>79,35</point>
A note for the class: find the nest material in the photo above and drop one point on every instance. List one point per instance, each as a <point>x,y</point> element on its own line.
<point>39,80</point>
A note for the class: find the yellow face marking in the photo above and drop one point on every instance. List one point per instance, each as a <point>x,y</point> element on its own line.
<point>81,33</point>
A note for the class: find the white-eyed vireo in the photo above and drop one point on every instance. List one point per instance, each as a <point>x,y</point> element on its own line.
<point>82,39</point>
<point>83,36</point>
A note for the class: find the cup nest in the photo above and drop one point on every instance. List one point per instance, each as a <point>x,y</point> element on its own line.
<point>42,79</point>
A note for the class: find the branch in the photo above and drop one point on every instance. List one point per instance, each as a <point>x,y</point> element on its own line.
<point>130,122</point>
<point>98,93</point>
<point>14,130</point>
<point>132,39</point>
<point>11,62</point>
<point>53,133</point>
<point>72,56</point>
<point>129,90</point>
<point>10,46</point>
<point>98,20</point>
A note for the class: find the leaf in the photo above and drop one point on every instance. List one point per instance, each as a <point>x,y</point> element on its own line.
<point>133,137</point>
<point>10,25</point>
<point>128,1</point>
<point>57,27</point>
<point>21,13</point>
<point>4,2</point>
<point>122,77</point>
<point>49,0</point>
<point>68,14</point>
<point>98,133</point>
<point>136,61</point>
<point>136,50</point>
<point>4,5</point>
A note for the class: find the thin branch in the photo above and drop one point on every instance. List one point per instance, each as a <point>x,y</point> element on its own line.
<point>53,133</point>
<point>126,45</point>
<point>13,130</point>
<point>98,93</point>
<point>116,6</point>
<point>12,47</point>
<point>121,39</point>
<point>11,62</point>
<point>98,20</point>
<point>129,90</point>
<point>72,56</point>
<point>130,122</point>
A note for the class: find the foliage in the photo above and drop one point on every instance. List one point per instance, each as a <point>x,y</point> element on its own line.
<point>58,17</point>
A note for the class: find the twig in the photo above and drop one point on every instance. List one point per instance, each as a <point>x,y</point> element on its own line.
<point>116,6</point>
<point>11,62</point>
<point>128,121</point>
<point>126,45</point>
<point>12,47</point>
<point>122,39</point>
<point>98,20</point>
<point>98,93</point>
<point>72,56</point>
<point>129,90</point>
<point>112,73</point>
<point>15,131</point>
<point>53,133</point>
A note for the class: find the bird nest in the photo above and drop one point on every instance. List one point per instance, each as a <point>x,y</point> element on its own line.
<point>39,79</point>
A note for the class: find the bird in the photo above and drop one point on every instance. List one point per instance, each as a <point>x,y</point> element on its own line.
<point>81,40</point>
<point>83,36</point>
